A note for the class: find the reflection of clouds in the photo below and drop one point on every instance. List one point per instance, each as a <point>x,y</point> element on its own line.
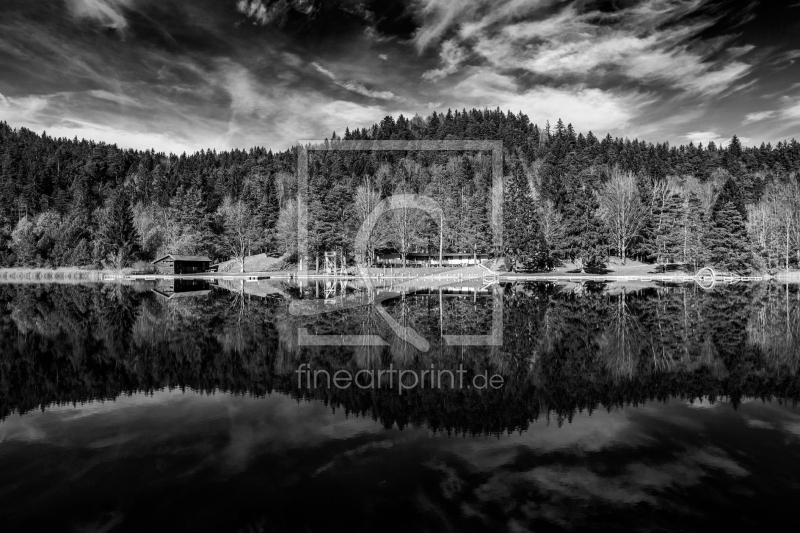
<point>185,422</point>
<point>451,483</point>
<point>771,416</point>
<point>579,465</point>
<point>558,487</point>
<point>585,434</point>
<point>358,452</point>
<point>792,427</point>
<point>760,424</point>
<point>663,456</point>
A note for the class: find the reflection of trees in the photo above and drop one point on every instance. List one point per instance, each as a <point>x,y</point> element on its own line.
<point>562,351</point>
<point>775,325</point>
<point>623,340</point>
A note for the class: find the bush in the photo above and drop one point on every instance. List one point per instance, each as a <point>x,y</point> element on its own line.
<point>143,267</point>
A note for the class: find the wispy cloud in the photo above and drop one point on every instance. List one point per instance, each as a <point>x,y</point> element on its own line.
<point>647,42</point>
<point>242,72</point>
<point>108,13</point>
<point>254,104</point>
<point>787,57</point>
<point>452,55</point>
<point>587,108</point>
<point>115,97</point>
<point>792,110</point>
<point>706,137</point>
<point>357,87</point>
<point>757,117</point>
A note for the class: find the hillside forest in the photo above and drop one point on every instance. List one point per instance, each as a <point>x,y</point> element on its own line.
<point>567,196</point>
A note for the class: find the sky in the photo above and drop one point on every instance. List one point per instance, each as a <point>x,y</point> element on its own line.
<point>184,75</point>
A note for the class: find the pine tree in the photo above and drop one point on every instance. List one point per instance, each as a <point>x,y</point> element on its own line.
<point>584,240</point>
<point>693,229</point>
<point>524,243</point>
<point>731,192</point>
<point>728,244</point>
<point>117,236</point>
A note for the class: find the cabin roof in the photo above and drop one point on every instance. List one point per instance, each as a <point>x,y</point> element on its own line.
<point>174,257</point>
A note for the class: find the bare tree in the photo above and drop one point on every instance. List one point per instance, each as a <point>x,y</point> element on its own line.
<point>551,221</point>
<point>239,228</point>
<point>622,209</point>
<point>402,226</point>
<point>286,227</point>
<point>762,228</point>
<point>366,198</point>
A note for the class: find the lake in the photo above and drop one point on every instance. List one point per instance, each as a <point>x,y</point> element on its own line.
<point>192,406</point>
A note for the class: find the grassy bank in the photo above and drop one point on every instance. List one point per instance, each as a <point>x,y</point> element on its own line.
<point>55,274</point>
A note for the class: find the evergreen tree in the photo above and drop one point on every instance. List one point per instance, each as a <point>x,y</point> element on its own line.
<point>584,241</point>
<point>728,245</point>
<point>117,236</point>
<point>693,229</point>
<point>524,243</point>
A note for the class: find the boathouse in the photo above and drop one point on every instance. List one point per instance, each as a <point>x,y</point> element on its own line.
<point>171,289</point>
<point>182,264</point>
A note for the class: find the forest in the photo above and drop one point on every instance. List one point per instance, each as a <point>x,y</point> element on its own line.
<point>567,196</point>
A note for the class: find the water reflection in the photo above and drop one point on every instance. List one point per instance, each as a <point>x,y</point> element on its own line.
<point>624,409</point>
<point>562,350</point>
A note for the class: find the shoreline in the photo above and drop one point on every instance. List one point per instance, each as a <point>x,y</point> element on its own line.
<point>72,274</point>
<point>58,274</point>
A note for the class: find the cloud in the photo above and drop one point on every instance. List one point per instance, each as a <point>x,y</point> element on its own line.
<point>323,70</point>
<point>439,16</point>
<point>106,12</point>
<point>791,111</point>
<point>256,10</point>
<point>265,12</point>
<point>274,114</point>
<point>648,42</point>
<point>758,116</point>
<point>789,56</point>
<point>357,87</point>
<point>706,137</point>
<point>789,114</point>
<point>452,55</point>
<point>585,107</point>
<point>114,97</point>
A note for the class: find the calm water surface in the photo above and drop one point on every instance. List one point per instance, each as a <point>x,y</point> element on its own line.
<point>164,407</point>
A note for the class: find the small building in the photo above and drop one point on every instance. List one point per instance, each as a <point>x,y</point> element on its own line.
<point>182,288</point>
<point>182,264</point>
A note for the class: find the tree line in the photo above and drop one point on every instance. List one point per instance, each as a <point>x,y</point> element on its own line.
<point>566,197</point>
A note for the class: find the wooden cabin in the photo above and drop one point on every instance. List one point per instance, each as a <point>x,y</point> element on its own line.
<point>182,288</point>
<point>182,264</point>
